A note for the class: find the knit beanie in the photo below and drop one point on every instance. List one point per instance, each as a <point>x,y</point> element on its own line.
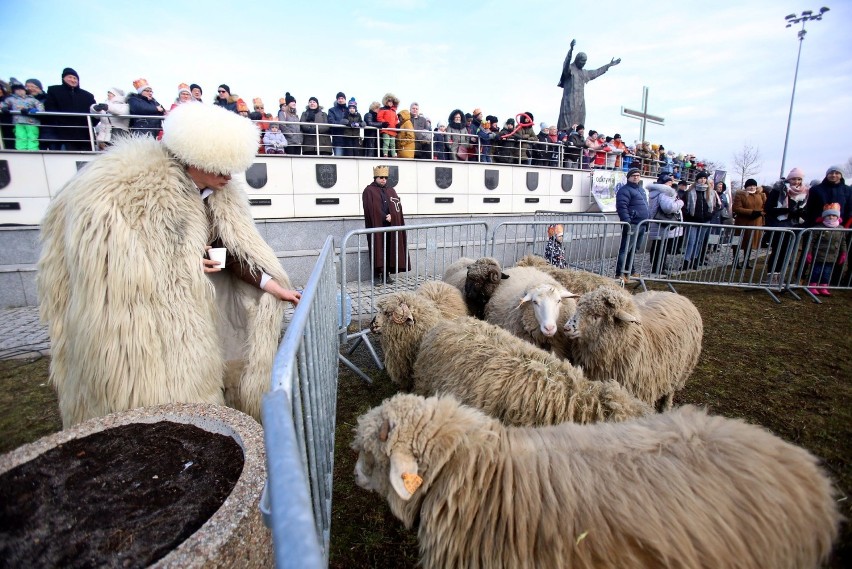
<point>664,178</point>
<point>288,98</point>
<point>225,87</point>
<point>352,103</point>
<point>834,168</point>
<point>194,86</point>
<point>831,209</point>
<point>70,71</point>
<point>795,173</point>
<point>36,82</point>
<point>116,91</point>
<point>340,94</point>
<point>314,99</point>
<point>750,182</point>
<point>633,171</point>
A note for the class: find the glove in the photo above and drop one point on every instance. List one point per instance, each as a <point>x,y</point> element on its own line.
<point>385,124</point>
<point>842,258</point>
<point>755,213</point>
<point>809,258</point>
<point>101,107</point>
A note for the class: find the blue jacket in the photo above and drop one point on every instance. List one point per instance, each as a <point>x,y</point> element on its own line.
<point>631,203</point>
<point>337,116</point>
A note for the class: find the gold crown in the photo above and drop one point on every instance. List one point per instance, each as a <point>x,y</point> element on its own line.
<point>183,87</point>
<point>257,102</point>
<point>381,171</point>
<point>140,83</point>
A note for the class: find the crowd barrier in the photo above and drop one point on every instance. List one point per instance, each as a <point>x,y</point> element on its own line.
<point>299,422</point>
<point>366,143</point>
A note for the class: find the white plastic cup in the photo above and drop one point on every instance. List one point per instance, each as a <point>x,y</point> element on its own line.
<point>218,254</point>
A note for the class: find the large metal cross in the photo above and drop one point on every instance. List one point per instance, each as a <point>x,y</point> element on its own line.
<point>643,115</point>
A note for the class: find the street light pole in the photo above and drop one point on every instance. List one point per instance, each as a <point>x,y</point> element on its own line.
<point>806,16</point>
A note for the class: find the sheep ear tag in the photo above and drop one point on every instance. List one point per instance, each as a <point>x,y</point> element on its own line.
<point>403,475</point>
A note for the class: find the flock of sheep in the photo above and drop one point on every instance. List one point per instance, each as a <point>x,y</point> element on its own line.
<point>539,432</point>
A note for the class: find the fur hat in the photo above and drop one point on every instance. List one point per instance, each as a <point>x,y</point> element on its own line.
<point>795,173</point>
<point>530,115</point>
<point>390,97</point>
<point>750,182</point>
<point>555,230</point>
<point>183,87</point>
<point>633,171</point>
<point>141,84</point>
<point>35,82</point>
<point>834,168</point>
<point>381,171</point>
<point>492,119</point>
<point>831,209</point>
<point>210,138</point>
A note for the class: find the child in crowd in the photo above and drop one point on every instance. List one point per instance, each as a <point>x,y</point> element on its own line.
<point>553,251</point>
<point>26,126</point>
<point>273,140</point>
<point>387,116</point>
<point>829,248</point>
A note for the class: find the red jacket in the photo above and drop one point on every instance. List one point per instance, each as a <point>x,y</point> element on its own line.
<point>388,115</point>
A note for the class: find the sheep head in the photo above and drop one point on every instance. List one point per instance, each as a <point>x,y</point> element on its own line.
<point>545,301</point>
<point>601,304</point>
<point>483,277</point>
<point>393,308</point>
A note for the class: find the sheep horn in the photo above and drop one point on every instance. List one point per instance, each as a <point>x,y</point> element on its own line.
<point>383,432</point>
<point>399,314</point>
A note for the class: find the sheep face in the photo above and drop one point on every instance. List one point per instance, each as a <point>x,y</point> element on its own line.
<point>392,309</point>
<point>601,304</point>
<point>483,277</point>
<point>545,302</point>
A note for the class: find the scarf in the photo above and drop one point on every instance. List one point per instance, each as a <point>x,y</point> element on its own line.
<point>692,198</point>
<point>794,192</point>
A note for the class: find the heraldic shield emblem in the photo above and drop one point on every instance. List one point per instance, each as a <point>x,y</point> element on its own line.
<point>393,176</point>
<point>443,177</point>
<point>532,181</point>
<point>256,175</point>
<point>492,179</point>
<point>567,182</point>
<point>326,175</point>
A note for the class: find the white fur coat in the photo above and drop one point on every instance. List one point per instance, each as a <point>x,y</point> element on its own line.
<point>133,319</point>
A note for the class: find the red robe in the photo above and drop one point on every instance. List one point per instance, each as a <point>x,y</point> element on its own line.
<point>378,202</point>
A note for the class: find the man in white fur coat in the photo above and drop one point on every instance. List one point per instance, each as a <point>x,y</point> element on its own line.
<point>136,315</point>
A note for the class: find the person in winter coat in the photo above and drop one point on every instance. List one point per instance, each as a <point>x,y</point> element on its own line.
<point>383,208</point>
<point>785,207</point>
<point>69,132</point>
<point>457,135</point>
<point>352,129</point>
<point>225,99</point>
<point>441,146</point>
<point>26,125</point>
<point>829,251</point>
<point>274,142</point>
<point>663,205</point>
<point>488,130</point>
<point>372,125</point>
<point>388,117</point>
<point>575,146</point>
<point>507,144</point>
<point>405,135</point>
<point>632,207</point>
<point>112,126</point>
<point>528,137</point>
<point>142,102</point>
<point>184,96</point>
<point>748,212</point>
<point>702,202</point>
<point>337,116</point>
<point>554,251</point>
<point>288,117</point>
<point>832,189</point>
<point>422,138</point>
<point>315,139</point>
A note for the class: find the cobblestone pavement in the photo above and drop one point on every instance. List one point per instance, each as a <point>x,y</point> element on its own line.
<point>21,333</point>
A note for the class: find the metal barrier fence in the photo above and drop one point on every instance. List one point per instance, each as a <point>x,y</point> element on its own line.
<point>819,261</point>
<point>429,248</point>
<point>299,422</point>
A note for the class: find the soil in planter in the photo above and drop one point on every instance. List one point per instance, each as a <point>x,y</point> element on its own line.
<point>124,497</point>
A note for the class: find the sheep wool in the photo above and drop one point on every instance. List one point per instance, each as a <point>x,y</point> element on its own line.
<point>509,379</point>
<point>681,489</point>
<point>121,258</point>
<point>649,342</point>
<point>574,280</point>
<point>483,277</point>
<point>456,273</point>
<point>446,298</point>
<point>402,319</point>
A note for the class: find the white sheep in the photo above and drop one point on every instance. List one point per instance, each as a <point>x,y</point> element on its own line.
<point>456,273</point>
<point>447,298</point>
<point>649,342</point>
<point>402,319</point>
<point>532,306</point>
<point>577,281</point>
<point>510,379</point>
<point>681,489</point>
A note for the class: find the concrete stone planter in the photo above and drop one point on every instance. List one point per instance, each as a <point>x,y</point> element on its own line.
<point>234,536</point>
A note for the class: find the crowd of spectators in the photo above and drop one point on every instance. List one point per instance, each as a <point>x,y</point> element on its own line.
<point>385,130</point>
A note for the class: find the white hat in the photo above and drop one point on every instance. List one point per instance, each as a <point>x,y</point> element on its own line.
<point>210,138</point>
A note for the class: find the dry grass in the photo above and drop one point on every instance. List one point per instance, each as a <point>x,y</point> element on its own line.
<point>786,367</point>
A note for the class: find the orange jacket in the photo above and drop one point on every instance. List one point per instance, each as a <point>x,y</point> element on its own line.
<point>388,115</point>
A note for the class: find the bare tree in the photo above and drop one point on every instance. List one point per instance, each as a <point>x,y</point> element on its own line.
<point>847,168</point>
<point>747,162</point>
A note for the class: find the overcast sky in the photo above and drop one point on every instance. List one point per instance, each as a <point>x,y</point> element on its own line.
<point>720,73</point>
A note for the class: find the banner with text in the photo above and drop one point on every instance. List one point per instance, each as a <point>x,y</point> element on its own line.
<point>605,184</point>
